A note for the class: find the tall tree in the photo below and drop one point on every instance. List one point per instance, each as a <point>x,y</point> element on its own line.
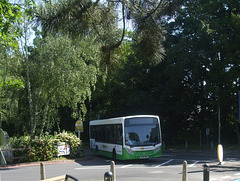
<point>199,43</point>
<point>63,73</point>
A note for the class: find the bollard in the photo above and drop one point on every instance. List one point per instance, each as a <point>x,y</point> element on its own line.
<point>184,176</point>
<point>108,176</point>
<point>206,172</point>
<point>42,171</point>
<point>112,169</point>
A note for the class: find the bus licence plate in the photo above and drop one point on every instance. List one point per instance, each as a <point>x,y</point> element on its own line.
<point>144,157</point>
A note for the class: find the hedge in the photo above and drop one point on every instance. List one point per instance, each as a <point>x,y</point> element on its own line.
<point>45,148</point>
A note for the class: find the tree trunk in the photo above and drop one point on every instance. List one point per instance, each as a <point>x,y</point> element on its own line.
<point>44,117</point>
<point>32,119</point>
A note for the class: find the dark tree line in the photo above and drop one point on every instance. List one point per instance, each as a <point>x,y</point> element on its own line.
<point>197,80</point>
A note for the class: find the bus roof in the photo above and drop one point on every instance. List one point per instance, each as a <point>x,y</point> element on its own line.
<point>117,120</point>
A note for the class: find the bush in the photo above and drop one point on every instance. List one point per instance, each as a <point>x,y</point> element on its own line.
<point>45,148</point>
<point>72,140</point>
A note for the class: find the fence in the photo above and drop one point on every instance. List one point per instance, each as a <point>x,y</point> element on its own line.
<point>9,154</point>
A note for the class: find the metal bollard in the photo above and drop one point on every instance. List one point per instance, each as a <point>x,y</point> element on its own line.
<point>206,172</point>
<point>108,176</point>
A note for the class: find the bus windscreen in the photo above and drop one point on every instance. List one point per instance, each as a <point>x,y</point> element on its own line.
<point>142,131</point>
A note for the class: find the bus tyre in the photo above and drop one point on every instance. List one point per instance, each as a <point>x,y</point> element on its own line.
<point>97,152</point>
<point>114,155</point>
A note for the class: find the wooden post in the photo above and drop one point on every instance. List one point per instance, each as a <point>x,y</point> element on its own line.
<point>42,171</point>
<point>112,169</point>
<point>2,159</point>
<point>184,174</point>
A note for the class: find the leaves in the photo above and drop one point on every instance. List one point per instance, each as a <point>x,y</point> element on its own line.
<point>9,15</point>
<point>65,71</point>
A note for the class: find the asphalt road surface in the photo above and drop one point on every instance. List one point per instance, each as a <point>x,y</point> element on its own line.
<point>167,168</point>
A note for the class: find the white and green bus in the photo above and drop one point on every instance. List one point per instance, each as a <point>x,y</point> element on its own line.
<point>125,138</point>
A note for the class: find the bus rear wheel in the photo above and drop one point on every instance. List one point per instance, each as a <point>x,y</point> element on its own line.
<point>97,152</point>
<point>114,155</point>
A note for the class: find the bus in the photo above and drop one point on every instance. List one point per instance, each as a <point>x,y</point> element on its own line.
<point>126,138</point>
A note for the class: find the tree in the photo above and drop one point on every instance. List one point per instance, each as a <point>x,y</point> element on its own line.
<point>198,45</point>
<point>10,13</point>
<point>11,83</point>
<point>101,18</point>
<point>10,80</point>
<point>63,73</point>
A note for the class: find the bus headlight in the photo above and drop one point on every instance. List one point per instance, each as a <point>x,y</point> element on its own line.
<point>157,149</point>
<point>130,151</point>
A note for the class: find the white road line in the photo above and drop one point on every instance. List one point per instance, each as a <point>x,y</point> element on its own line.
<point>226,177</point>
<point>237,174</point>
<point>125,166</point>
<point>164,163</point>
<point>167,155</point>
<point>91,167</point>
<point>192,165</point>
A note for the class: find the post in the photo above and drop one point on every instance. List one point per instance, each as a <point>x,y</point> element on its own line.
<point>108,176</point>
<point>79,134</point>
<point>184,175</point>
<point>219,126</point>
<point>2,159</point>
<point>206,171</point>
<point>0,122</point>
<point>42,171</point>
<point>186,145</point>
<point>200,135</point>
<point>112,169</point>
<point>239,106</point>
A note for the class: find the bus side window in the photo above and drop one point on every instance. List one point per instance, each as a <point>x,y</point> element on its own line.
<point>93,132</point>
<point>119,134</point>
<point>108,133</point>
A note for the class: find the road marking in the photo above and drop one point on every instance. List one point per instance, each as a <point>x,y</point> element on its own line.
<point>91,167</point>
<point>59,178</point>
<point>167,155</point>
<point>164,163</point>
<point>192,165</point>
<point>237,174</point>
<point>125,166</point>
<point>226,177</point>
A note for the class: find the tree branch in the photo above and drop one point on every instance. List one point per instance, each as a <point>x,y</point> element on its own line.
<point>153,11</point>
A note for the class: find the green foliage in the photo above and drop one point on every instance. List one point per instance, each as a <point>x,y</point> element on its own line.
<point>45,148</point>
<point>201,67</point>
<point>199,73</point>
<point>71,139</point>
<point>9,14</point>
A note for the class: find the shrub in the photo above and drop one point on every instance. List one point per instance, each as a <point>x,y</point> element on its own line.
<point>72,140</point>
<point>45,148</point>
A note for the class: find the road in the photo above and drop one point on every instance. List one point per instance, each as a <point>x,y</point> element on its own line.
<point>167,168</point>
